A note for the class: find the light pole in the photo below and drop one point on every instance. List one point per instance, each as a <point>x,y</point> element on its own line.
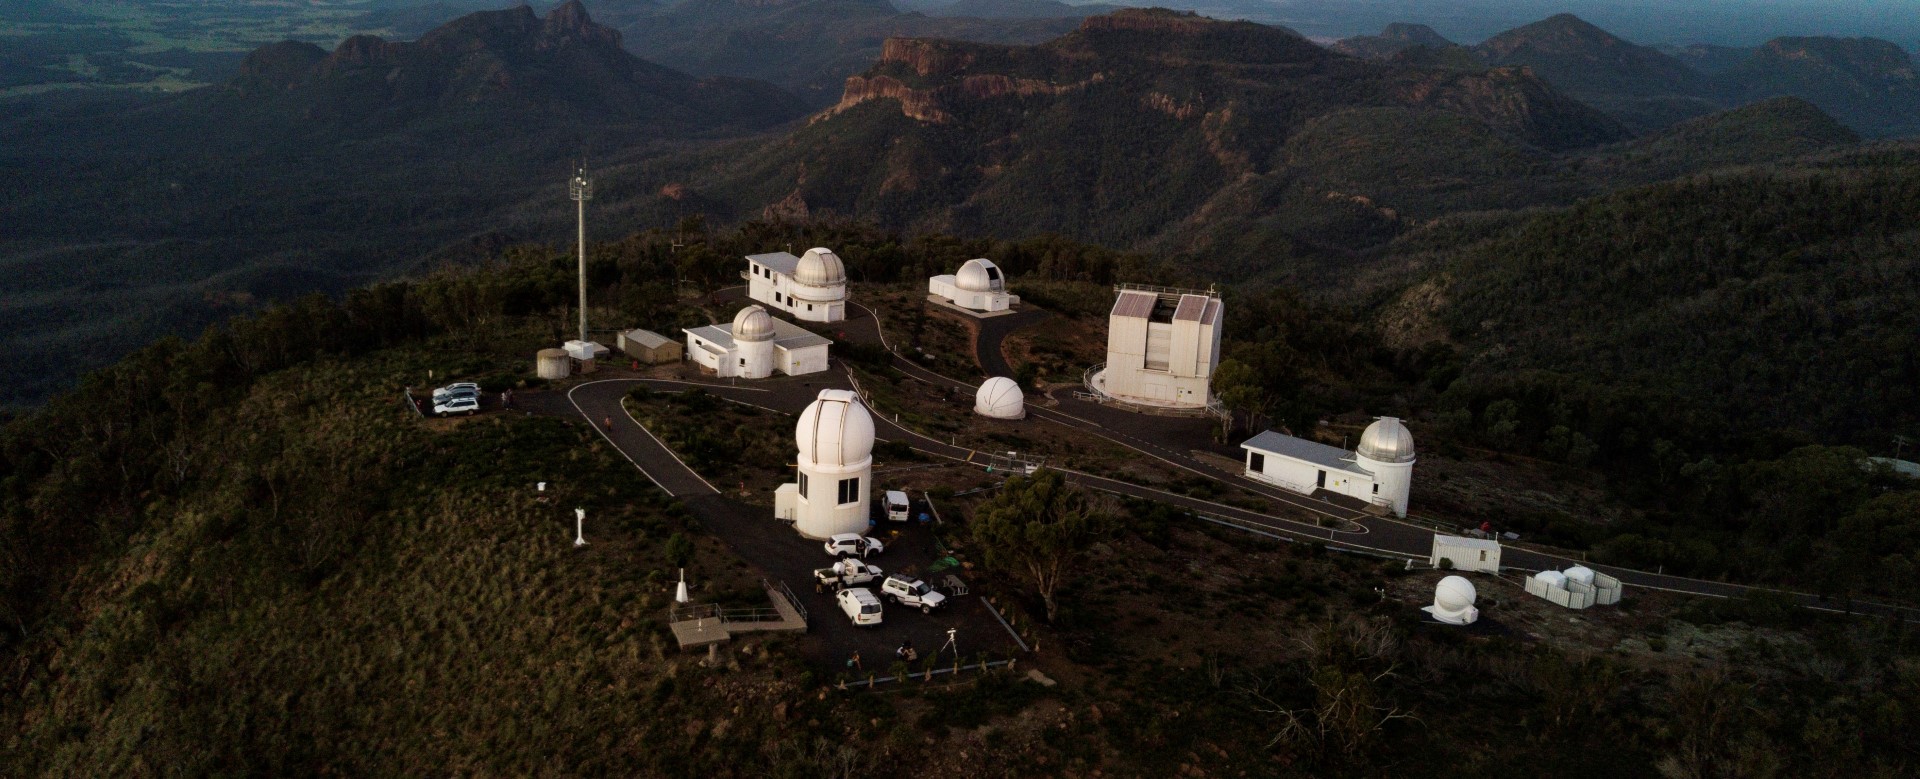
<point>581,190</point>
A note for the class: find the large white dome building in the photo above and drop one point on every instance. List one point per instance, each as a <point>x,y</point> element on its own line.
<point>811,287</point>
<point>835,473</point>
<point>979,286</point>
<point>756,346</point>
<point>1000,398</point>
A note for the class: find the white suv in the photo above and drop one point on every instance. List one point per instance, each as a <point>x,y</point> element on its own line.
<point>853,545</point>
<point>462,388</point>
<point>859,605</point>
<point>908,591</point>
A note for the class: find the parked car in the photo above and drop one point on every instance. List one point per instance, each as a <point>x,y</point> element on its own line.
<point>908,591</point>
<point>458,405</point>
<point>854,545</point>
<point>464,387</point>
<point>846,573</point>
<point>859,605</point>
<point>898,508</point>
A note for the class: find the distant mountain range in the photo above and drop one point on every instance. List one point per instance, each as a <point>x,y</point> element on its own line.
<point>1869,84</point>
<point>315,171</point>
<point>1159,130</point>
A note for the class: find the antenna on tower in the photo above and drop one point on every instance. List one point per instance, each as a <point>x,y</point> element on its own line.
<point>580,189</point>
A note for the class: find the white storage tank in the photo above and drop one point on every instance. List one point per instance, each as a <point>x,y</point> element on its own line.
<point>552,364</point>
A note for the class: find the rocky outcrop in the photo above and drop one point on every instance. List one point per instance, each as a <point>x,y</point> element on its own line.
<point>927,57</point>
<point>1513,99</point>
<point>1178,109</point>
<point>932,105</point>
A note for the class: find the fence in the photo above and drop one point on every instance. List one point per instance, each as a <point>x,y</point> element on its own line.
<point>688,612</point>
<point>873,681</point>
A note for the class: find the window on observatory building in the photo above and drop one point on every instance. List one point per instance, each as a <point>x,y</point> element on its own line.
<point>1256,462</point>
<point>803,485</point>
<point>849,491</point>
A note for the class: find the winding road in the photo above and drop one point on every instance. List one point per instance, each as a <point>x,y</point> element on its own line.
<point>1170,440</point>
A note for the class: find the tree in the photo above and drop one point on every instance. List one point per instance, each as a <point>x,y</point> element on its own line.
<point>1037,530</point>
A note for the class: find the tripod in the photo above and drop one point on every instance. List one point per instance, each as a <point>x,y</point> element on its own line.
<point>951,644</point>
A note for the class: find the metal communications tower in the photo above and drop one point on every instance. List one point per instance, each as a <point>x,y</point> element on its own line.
<point>581,190</point>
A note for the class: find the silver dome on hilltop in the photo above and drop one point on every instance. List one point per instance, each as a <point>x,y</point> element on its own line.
<point>820,267</point>
<point>752,324</point>
<point>1387,441</point>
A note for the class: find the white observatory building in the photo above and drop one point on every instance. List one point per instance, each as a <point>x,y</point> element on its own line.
<point>1578,587</point>
<point>1162,347</point>
<point>999,398</point>
<point>979,286</point>
<point>1380,472</point>
<point>835,437</point>
<point>756,346</point>
<point>1453,600</point>
<point>811,287</point>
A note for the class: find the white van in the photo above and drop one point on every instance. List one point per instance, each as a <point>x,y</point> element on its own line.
<point>860,605</point>
<point>898,509</point>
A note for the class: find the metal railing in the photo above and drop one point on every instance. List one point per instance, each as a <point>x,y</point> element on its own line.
<point>792,599</point>
<point>1160,290</point>
<point>688,612</point>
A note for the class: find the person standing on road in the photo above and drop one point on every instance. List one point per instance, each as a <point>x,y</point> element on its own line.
<point>854,662</point>
<point>608,422</point>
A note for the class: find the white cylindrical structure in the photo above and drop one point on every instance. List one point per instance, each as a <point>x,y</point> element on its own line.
<point>835,438</point>
<point>1386,451</point>
<point>999,398</point>
<point>752,344</point>
<point>553,364</point>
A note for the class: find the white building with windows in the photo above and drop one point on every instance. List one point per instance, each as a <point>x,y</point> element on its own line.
<point>811,287</point>
<point>835,473</point>
<point>979,286</point>
<point>756,346</point>
<point>1380,472</point>
<point>1162,347</point>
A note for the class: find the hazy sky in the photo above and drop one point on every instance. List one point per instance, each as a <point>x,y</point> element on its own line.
<point>1727,22</point>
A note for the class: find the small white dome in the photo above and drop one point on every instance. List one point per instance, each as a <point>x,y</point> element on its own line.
<point>1455,593</point>
<point>752,324</point>
<point>1581,574</point>
<point>1000,398</point>
<point>979,276</point>
<point>1552,578</point>
<point>835,430</point>
<point>820,267</point>
<point>1387,441</point>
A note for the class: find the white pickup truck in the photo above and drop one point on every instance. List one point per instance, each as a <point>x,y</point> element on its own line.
<point>908,591</point>
<point>846,573</point>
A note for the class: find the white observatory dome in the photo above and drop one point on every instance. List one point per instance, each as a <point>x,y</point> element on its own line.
<point>752,324</point>
<point>1581,574</point>
<point>1000,398</point>
<point>820,267</point>
<point>1455,593</point>
<point>835,430</point>
<point>1554,579</point>
<point>978,276</point>
<point>1387,441</point>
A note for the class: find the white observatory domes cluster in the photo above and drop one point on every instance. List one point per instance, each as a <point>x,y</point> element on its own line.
<point>1387,440</point>
<point>752,324</point>
<point>999,398</point>
<point>835,430</point>
<point>973,277</point>
<point>820,267</point>
<point>1453,600</point>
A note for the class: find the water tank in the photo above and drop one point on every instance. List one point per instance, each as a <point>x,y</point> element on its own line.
<point>552,364</point>
<point>999,398</point>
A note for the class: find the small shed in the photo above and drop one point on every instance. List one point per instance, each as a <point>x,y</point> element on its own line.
<point>1466,554</point>
<point>649,347</point>
<point>552,364</point>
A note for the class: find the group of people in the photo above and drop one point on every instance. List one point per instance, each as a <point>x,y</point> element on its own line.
<point>905,653</point>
